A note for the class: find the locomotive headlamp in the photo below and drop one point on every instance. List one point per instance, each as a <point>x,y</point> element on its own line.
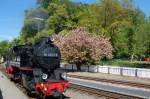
<point>44,76</point>
<point>64,75</point>
<point>45,89</point>
<point>42,84</point>
<point>52,38</point>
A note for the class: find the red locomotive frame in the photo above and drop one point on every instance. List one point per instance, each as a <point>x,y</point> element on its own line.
<point>42,89</point>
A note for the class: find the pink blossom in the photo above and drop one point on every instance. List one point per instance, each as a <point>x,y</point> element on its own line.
<point>81,46</point>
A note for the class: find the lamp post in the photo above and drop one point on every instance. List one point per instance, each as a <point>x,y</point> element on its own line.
<point>39,19</point>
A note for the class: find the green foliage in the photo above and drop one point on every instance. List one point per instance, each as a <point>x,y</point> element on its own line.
<point>142,41</point>
<point>44,3</point>
<point>3,48</point>
<point>30,28</point>
<point>44,33</point>
<point>61,16</point>
<point>126,25</point>
<point>34,23</point>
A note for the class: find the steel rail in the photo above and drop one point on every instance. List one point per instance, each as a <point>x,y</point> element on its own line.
<point>125,83</point>
<point>102,93</point>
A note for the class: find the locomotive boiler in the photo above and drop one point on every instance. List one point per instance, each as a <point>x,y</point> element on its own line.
<point>37,65</point>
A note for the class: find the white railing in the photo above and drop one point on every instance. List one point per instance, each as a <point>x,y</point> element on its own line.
<point>123,71</point>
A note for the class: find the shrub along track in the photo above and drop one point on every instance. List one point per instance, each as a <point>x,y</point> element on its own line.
<point>102,93</point>
<point>125,83</point>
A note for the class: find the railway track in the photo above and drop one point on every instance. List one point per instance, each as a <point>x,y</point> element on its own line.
<point>125,83</point>
<point>102,93</point>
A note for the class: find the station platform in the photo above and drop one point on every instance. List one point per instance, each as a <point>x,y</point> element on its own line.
<point>8,90</point>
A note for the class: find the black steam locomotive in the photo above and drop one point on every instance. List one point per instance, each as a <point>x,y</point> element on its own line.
<point>38,67</point>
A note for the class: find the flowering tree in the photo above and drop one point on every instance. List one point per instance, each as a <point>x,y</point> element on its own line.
<point>80,47</point>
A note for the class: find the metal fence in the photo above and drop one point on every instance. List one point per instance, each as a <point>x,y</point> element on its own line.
<point>123,71</point>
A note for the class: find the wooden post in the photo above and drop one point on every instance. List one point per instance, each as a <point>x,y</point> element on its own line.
<point>136,71</point>
<point>108,70</point>
<point>72,67</point>
<point>97,68</point>
<point>65,67</point>
<point>121,71</point>
<point>88,68</point>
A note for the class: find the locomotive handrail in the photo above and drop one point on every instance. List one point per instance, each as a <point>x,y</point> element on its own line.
<point>26,69</point>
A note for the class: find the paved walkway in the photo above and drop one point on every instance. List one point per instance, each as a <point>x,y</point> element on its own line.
<point>112,77</point>
<point>9,90</point>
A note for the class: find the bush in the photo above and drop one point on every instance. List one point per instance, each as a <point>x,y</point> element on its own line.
<point>80,47</point>
<point>3,49</point>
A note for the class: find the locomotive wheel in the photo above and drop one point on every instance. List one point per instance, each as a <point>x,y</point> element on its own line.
<point>52,97</point>
<point>28,84</point>
<point>61,96</point>
<point>38,98</point>
<point>24,81</point>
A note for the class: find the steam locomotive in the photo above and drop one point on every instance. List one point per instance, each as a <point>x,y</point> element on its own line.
<point>37,65</point>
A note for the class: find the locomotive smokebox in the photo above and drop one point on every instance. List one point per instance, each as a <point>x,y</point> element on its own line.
<point>46,54</point>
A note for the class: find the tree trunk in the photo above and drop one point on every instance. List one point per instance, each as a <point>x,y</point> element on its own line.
<point>132,57</point>
<point>78,67</point>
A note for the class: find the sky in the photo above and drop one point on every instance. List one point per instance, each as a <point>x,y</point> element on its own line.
<point>12,17</point>
<point>12,14</point>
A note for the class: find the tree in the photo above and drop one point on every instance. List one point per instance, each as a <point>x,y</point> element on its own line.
<point>44,3</point>
<point>80,47</point>
<point>3,49</point>
<point>61,16</point>
<point>142,41</point>
<point>118,32</point>
<point>30,29</point>
<point>118,20</point>
<point>31,24</point>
